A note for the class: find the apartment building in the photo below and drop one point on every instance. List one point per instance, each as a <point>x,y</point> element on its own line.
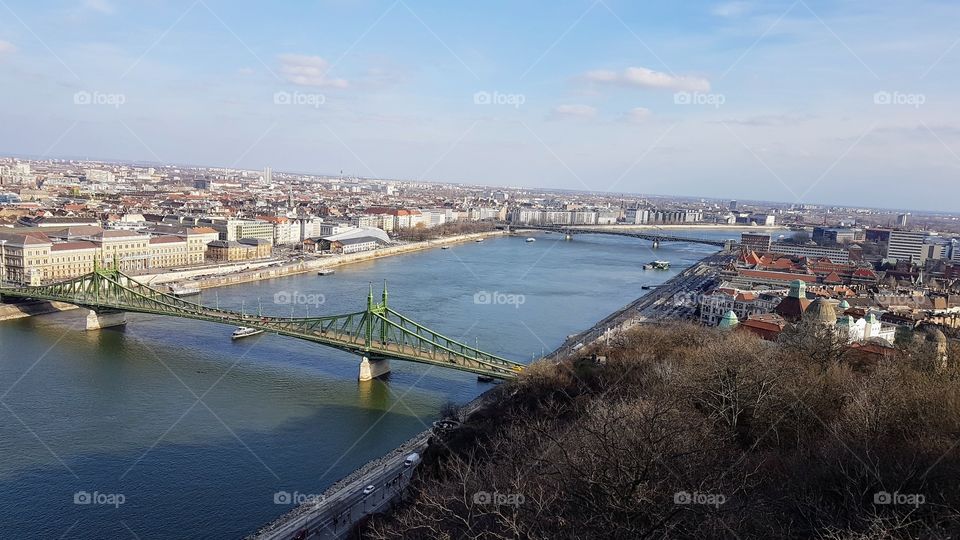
<point>35,257</point>
<point>836,255</point>
<point>907,246</point>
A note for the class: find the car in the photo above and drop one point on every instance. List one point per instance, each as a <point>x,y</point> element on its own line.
<point>369,489</point>
<point>412,459</point>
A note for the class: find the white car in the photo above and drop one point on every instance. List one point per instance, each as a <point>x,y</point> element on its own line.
<point>369,489</point>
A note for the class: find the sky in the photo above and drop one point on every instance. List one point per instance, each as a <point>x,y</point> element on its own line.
<point>846,102</point>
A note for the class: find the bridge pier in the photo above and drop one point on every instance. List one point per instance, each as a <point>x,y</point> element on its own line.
<point>568,236</point>
<point>371,369</point>
<point>105,319</point>
<point>656,244</point>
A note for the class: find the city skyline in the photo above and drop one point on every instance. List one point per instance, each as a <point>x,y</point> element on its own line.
<point>798,102</point>
<point>573,191</point>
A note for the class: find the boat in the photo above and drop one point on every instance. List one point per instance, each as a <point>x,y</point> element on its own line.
<point>244,331</point>
<point>648,267</point>
<point>478,240</point>
<point>444,247</point>
<point>484,378</point>
<point>325,272</point>
<point>531,239</point>
<point>190,290</point>
<point>660,265</point>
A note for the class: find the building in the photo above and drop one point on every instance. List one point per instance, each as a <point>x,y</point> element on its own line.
<point>637,216</point>
<point>902,220</point>
<point>837,235</point>
<point>836,255</point>
<point>97,176</point>
<point>795,304</point>
<point>907,246</point>
<point>719,302</point>
<point>231,229</point>
<point>58,254</point>
<point>756,242</point>
<point>245,249</point>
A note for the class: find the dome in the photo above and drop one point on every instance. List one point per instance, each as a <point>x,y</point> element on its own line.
<point>845,320</point>
<point>821,311</point>
<point>844,305</point>
<point>729,320</point>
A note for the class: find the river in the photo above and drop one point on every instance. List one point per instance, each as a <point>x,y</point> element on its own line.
<point>172,430</point>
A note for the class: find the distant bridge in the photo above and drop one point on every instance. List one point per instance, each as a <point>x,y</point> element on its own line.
<point>377,333</point>
<point>655,237</point>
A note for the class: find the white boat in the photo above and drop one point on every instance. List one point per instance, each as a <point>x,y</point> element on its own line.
<point>244,331</point>
<point>444,247</point>
<point>531,239</point>
<point>325,272</point>
<point>478,240</point>
<point>660,265</point>
<point>189,290</point>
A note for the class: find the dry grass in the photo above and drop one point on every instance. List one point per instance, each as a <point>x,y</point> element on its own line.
<point>780,442</point>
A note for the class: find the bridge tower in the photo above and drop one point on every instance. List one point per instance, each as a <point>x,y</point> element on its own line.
<point>371,368</point>
<point>656,244</point>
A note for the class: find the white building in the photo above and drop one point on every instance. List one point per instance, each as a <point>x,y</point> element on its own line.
<point>716,304</point>
<point>907,246</point>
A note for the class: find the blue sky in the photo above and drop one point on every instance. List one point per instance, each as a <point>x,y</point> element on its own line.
<point>847,102</point>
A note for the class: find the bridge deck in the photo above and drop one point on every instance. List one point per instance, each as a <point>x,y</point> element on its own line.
<point>652,236</point>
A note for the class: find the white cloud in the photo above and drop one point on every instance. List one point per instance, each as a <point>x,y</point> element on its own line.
<point>574,111</point>
<point>647,78</point>
<point>732,9</point>
<point>101,6</point>
<point>638,115</point>
<point>308,71</point>
<point>7,47</point>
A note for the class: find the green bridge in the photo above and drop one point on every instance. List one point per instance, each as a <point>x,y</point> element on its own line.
<point>377,334</point>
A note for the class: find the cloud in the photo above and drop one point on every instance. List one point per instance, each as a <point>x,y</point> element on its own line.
<point>246,72</point>
<point>6,47</point>
<point>308,71</point>
<point>574,111</point>
<point>101,6</point>
<point>637,115</point>
<point>732,9</point>
<point>641,77</point>
<point>768,120</point>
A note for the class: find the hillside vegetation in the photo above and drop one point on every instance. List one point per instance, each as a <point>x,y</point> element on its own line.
<point>687,432</point>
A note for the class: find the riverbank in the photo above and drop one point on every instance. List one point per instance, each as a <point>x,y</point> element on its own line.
<point>29,308</point>
<point>267,270</point>
<point>658,304</point>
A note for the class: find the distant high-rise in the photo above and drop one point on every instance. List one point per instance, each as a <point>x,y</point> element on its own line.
<point>733,206</point>
<point>268,175</point>
<point>902,220</point>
